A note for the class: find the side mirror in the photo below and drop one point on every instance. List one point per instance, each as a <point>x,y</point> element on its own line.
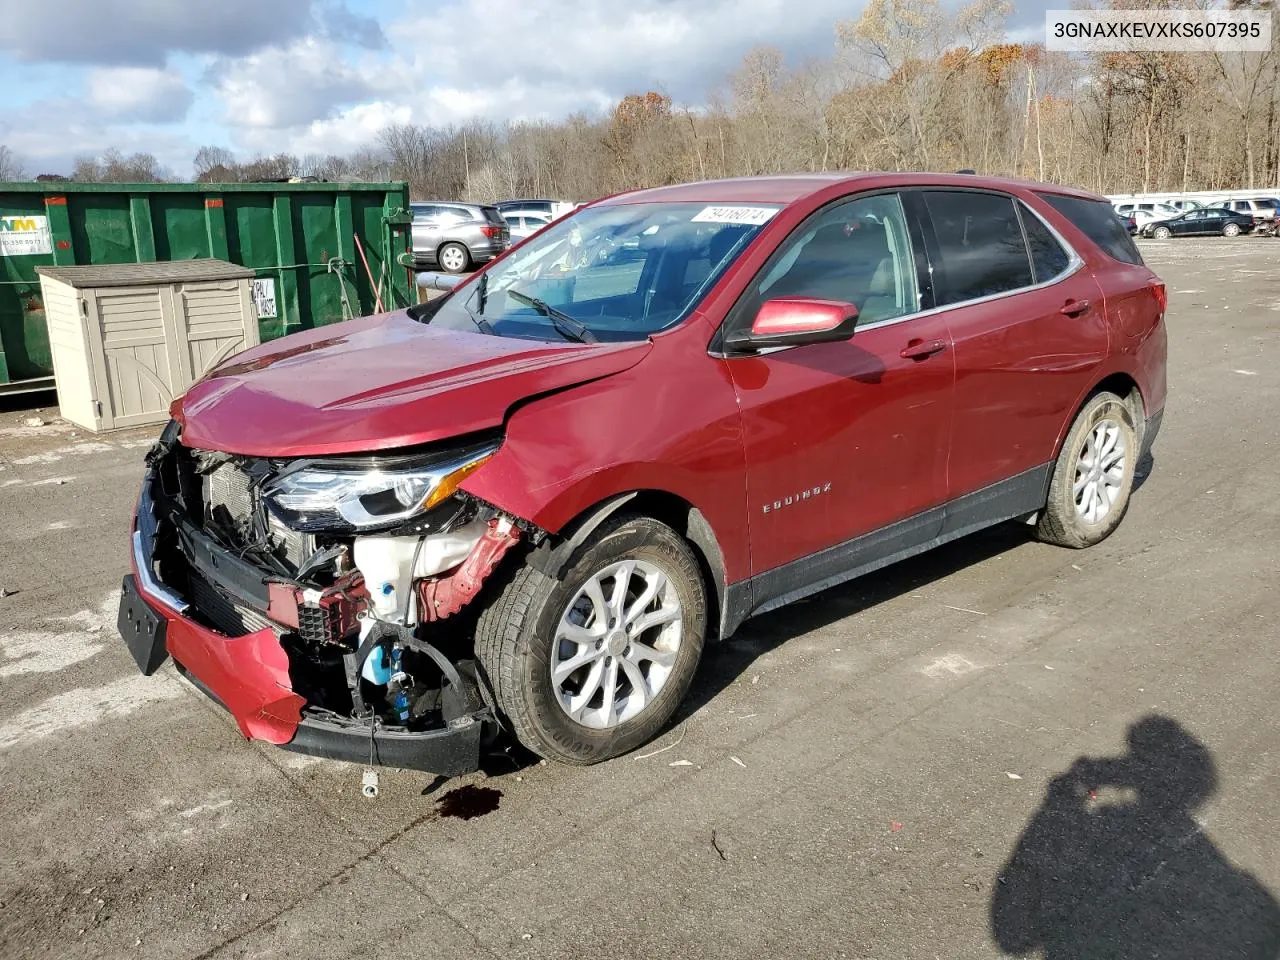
<point>793,321</point>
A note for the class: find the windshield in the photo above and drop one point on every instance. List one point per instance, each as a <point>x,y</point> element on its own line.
<point>615,272</point>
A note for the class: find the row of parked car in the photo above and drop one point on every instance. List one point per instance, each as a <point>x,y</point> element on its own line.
<point>456,237</point>
<point>1186,218</point>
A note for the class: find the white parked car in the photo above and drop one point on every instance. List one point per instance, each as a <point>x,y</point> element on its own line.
<point>552,209</point>
<point>1147,212</point>
<point>525,223</point>
<point>1260,208</point>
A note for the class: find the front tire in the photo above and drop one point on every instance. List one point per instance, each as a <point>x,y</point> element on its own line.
<point>1162,233</point>
<point>592,665</point>
<point>1093,476</point>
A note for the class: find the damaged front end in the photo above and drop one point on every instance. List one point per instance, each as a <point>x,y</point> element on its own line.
<point>306,596</point>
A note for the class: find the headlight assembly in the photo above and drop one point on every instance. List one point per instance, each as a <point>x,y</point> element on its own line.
<point>358,498</point>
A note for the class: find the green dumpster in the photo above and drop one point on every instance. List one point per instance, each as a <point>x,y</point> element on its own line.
<point>304,242</point>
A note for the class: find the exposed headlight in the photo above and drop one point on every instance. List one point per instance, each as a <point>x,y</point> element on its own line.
<point>351,497</point>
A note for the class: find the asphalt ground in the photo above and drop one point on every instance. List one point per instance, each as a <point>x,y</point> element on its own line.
<point>891,769</point>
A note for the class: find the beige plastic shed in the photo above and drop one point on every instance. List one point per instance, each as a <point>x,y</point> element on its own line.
<point>128,338</point>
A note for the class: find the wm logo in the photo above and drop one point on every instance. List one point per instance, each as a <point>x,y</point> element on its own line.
<point>19,225</point>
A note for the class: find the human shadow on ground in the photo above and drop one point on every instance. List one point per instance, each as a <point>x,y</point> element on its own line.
<point>1116,864</point>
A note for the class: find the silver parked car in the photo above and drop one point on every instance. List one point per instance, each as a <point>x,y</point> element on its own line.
<point>457,236</point>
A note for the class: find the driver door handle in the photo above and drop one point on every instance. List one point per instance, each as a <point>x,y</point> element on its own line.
<point>920,349</point>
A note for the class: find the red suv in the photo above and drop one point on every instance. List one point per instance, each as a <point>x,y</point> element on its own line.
<point>528,503</point>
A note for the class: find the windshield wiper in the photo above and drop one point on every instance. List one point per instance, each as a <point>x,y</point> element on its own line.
<point>565,325</point>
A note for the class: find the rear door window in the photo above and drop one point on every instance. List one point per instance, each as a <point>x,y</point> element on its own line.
<point>1094,220</point>
<point>980,245</point>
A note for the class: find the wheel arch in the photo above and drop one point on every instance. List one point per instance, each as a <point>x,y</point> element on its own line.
<point>1125,386</point>
<point>680,515</point>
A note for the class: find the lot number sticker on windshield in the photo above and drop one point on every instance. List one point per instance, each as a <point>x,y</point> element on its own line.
<point>751,216</point>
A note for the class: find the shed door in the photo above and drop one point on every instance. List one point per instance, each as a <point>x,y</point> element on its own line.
<point>215,319</point>
<point>139,368</point>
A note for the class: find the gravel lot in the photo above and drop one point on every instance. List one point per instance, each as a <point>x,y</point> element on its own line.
<point>852,778</point>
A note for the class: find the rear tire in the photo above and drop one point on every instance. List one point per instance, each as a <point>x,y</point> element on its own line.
<point>1093,476</point>
<point>567,675</point>
<point>454,257</point>
<point>1231,230</point>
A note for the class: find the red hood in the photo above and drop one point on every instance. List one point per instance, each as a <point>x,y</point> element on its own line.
<point>377,383</point>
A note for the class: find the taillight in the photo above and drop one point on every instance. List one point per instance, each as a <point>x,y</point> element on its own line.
<point>1161,294</point>
<point>490,231</point>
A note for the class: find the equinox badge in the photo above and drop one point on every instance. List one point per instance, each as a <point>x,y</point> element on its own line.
<point>794,498</point>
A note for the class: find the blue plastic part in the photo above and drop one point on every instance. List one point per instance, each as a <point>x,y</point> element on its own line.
<point>375,668</point>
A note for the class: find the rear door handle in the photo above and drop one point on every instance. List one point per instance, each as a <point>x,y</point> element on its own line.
<point>920,349</point>
<point>1073,308</point>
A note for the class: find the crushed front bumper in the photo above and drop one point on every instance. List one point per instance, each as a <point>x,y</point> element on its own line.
<point>249,676</point>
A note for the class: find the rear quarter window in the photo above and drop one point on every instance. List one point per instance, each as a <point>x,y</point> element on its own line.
<point>1047,256</point>
<point>1095,220</point>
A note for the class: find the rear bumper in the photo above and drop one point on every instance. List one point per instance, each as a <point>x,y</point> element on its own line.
<point>249,677</point>
<point>484,252</point>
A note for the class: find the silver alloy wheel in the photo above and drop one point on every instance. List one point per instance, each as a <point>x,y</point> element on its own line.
<point>452,258</point>
<point>1100,471</point>
<point>1162,233</point>
<point>1231,230</point>
<point>616,644</point>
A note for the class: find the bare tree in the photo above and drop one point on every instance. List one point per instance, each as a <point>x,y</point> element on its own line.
<point>111,166</point>
<point>10,167</point>
<point>215,165</point>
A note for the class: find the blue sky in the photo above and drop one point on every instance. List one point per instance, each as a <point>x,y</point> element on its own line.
<point>261,76</point>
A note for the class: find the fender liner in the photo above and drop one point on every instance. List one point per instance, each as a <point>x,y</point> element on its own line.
<point>732,601</point>
<point>552,560</point>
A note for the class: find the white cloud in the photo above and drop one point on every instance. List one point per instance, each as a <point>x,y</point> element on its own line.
<point>50,134</point>
<point>146,31</point>
<point>293,86</point>
<point>344,133</point>
<point>505,60</point>
<point>681,46</point>
<point>312,76</point>
<point>139,93</point>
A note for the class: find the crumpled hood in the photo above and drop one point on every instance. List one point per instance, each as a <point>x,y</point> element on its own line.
<point>378,383</point>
